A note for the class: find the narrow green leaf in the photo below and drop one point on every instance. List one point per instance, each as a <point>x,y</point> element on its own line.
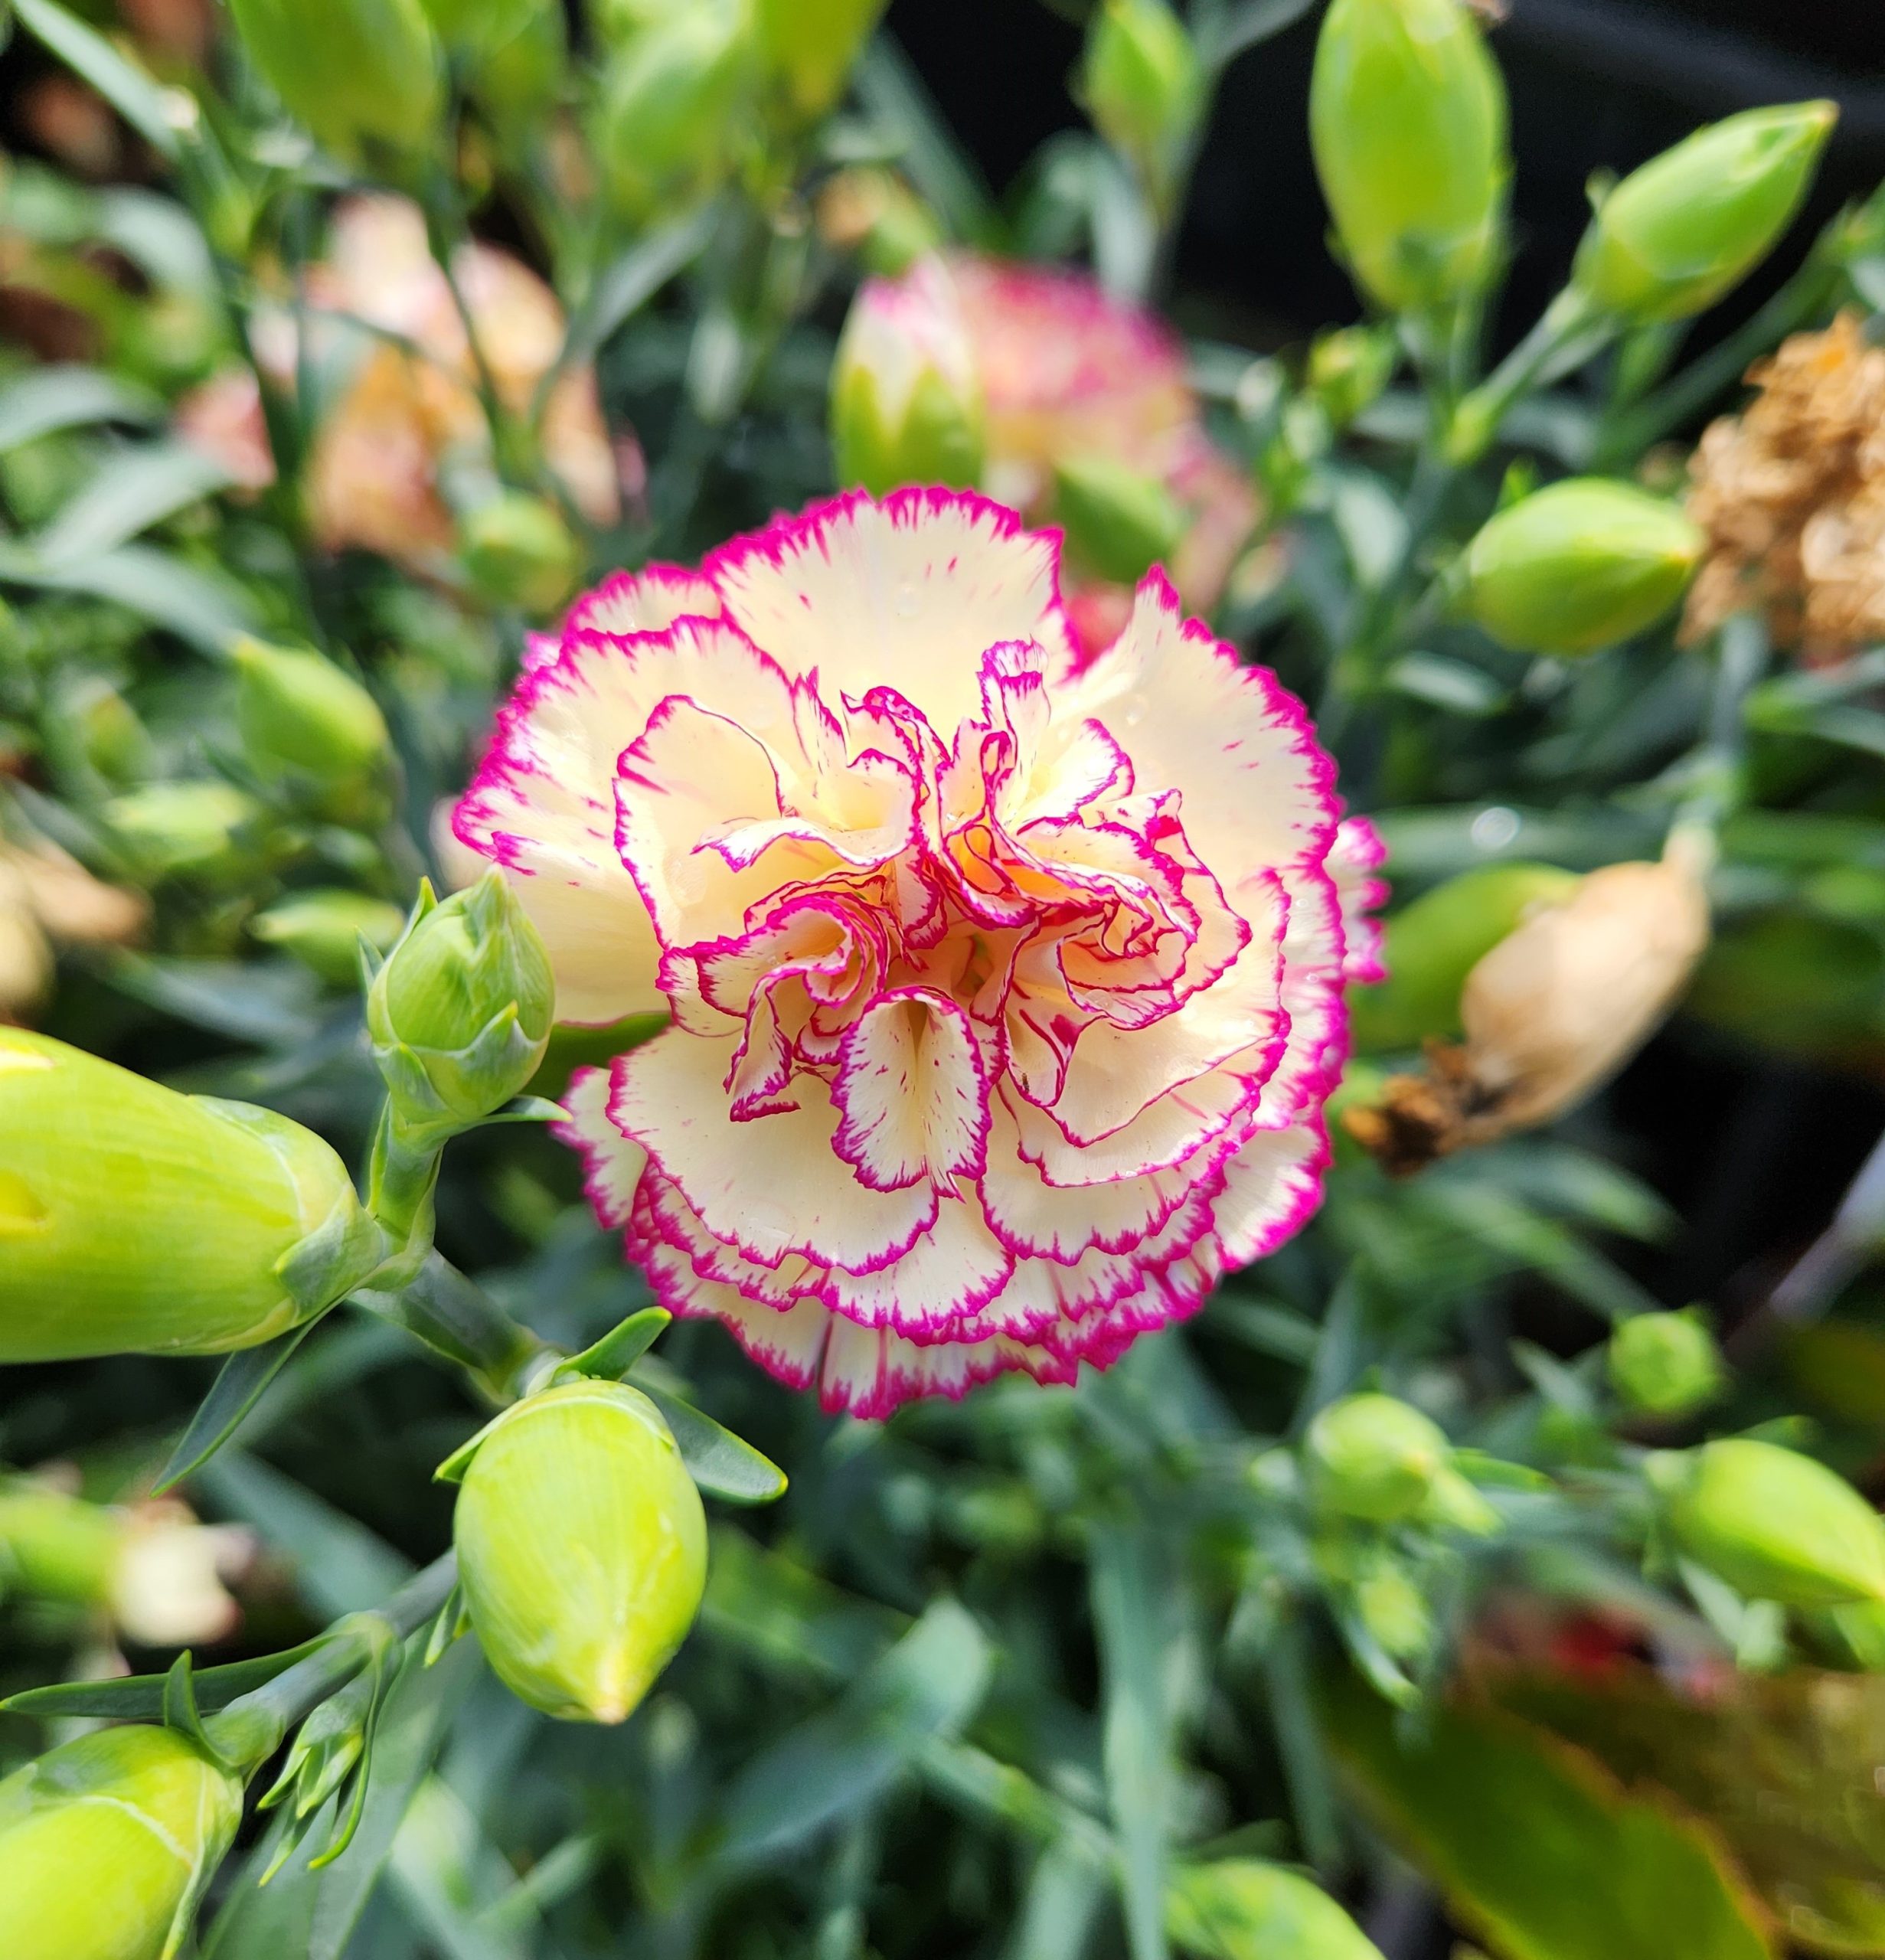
<point>236,1389</point>
<point>723,1464</point>
<point>140,1697</point>
<point>208,610</point>
<point>130,493</point>
<point>616,1353</point>
<point>149,108</point>
<point>44,400</point>
<point>624,287</point>
<point>936,163</point>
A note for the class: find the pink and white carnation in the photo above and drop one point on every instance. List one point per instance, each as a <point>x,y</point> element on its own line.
<point>1005,994</point>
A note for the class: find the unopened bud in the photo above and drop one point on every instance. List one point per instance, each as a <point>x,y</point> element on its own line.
<point>311,732</point>
<point>1666,1365</point>
<point>809,46</point>
<point>461,1010</point>
<point>670,106</point>
<point>1241,1908</point>
<point>906,403</point>
<point>182,830</point>
<point>876,213</point>
<point>1394,1613</point>
<point>582,1549</point>
<point>1407,121</point>
<point>520,554</point>
<point>134,1219</point>
<point>323,930</point>
<point>1678,232</point>
<point>106,1843</point>
<point>1142,84</point>
<point>1430,946</point>
<point>360,74</point>
<point>512,53</point>
<point>1371,1456</point>
<point>1118,523</point>
<point>1773,1524</point>
<point>1578,566</point>
<point>1348,368</point>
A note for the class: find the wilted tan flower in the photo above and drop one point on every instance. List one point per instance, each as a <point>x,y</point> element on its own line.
<point>1552,1012</point>
<point>410,405</point>
<point>168,1588</point>
<point>46,897</point>
<point>1791,494</point>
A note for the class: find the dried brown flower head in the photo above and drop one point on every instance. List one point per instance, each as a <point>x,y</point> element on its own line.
<point>1791,494</point>
<point>47,898</point>
<point>1551,1012</point>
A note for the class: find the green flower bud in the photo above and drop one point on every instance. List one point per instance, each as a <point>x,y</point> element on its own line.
<point>1774,1524</point>
<point>582,1549</point>
<point>906,403</point>
<point>1142,84</point>
<point>1580,565</point>
<point>1676,234</point>
<point>106,1843</point>
<point>1241,1908</point>
<point>810,46</point>
<point>190,830</point>
<point>1117,521</point>
<point>1347,369</point>
<point>520,553</point>
<point>1666,1365</point>
<point>136,1220</point>
<point>312,733</point>
<point>671,127</point>
<point>54,1546</point>
<point>323,930</point>
<point>358,73</point>
<point>513,53</point>
<point>1407,121</point>
<point>461,1009</point>
<point>1393,1611</point>
<point>1431,946</point>
<point>1372,1457</point>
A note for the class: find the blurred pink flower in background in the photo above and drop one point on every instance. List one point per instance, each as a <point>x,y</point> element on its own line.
<point>405,406</point>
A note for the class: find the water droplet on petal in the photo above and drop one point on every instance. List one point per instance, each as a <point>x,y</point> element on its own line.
<point>765,1227</point>
<point>1494,829</point>
<point>908,602</point>
<point>1132,711</point>
<point>687,876</point>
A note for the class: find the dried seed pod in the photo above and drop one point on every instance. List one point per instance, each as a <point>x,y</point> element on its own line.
<point>582,1548</point>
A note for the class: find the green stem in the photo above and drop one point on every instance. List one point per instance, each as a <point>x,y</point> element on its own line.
<point>458,1319</point>
<point>402,1179</point>
<point>1571,327</point>
<point>252,1727</point>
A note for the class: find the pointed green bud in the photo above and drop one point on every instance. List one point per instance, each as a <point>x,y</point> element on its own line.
<point>1118,522</point>
<point>582,1549</point>
<point>1348,368</point>
<point>461,1010</point>
<point>906,403</point>
<point>136,1220</point>
<point>1666,1365</point>
<point>1580,565</point>
<point>1678,232</point>
<point>361,74</point>
<point>312,733</point>
<point>1407,121</point>
<point>1431,946</point>
<point>1371,1456</point>
<point>520,554</point>
<point>810,46</point>
<point>183,830</point>
<point>1773,1524</point>
<point>672,126</point>
<point>323,930</point>
<point>1241,1908</point>
<point>107,1843</point>
<point>1142,82</point>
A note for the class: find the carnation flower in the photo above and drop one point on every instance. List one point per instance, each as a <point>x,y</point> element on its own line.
<point>409,402</point>
<point>1006,995</point>
<point>1067,371</point>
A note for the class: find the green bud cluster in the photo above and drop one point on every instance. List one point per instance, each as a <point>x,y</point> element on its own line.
<point>134,1219</point>
<point>1432,945</point>
<point>361,74</point>
<point>1577,566</point>
<point>106,1843</point>
<point>1378,1460</point>
<point>1678,232</point>
<point>460,1011</point>
<point>1773,1524</point>
<point>1407,122</point>
<point>1142,84</point>
<point>582,1548</point>
<point>1666,1365</point>
<point>311,733</point>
